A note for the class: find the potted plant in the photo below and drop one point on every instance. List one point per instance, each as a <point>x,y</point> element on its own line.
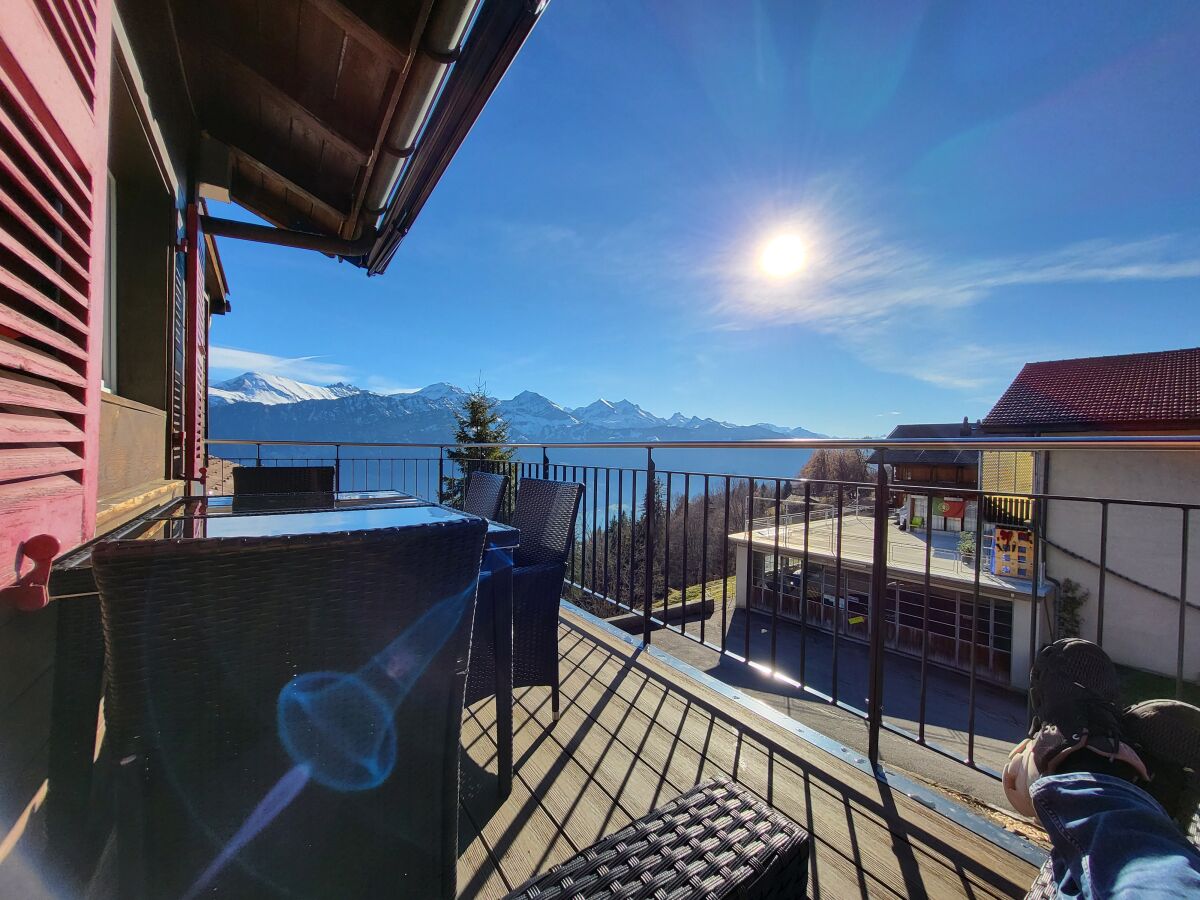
<point>966,547</point>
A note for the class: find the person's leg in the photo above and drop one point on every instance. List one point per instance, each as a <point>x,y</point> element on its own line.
<point>1112,789</point>
<point>1112,839</point>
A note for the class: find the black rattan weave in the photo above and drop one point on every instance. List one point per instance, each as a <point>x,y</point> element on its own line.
<point>485,492</point>
<point>545,515</point>
<point>715,841</point>
<point>201,635</point>
<point>283,479</point>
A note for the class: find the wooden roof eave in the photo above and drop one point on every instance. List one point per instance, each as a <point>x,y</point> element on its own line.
<point>291,199</point>
<point>499,31</point>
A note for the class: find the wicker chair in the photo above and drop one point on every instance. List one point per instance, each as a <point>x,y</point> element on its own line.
<point>202,635</point>
<point>485,492</point>
<point>283,480</point>
<point>545,516</point>
<point>714,841</point>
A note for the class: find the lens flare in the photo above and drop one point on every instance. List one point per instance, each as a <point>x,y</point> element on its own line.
<point>275,802</point>
<point>782,256</point>
<point>339,727</point>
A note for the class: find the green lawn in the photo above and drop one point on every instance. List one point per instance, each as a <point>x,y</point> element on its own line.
<point>694,592</point>
<point>1137,685</point>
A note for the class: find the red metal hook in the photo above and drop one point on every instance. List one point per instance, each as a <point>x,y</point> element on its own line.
<point>31,592</point>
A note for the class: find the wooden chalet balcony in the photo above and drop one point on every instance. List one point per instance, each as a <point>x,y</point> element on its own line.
<point>636,731</point>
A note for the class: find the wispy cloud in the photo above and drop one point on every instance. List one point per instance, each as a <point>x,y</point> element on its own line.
<point>863,279</point>
<point>314,369</point>
<point>380,385</point>
<point>890,305</point>
<point>311,369</point>
<point>945,361</point>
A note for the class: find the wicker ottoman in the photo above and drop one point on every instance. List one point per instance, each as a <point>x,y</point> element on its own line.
<point>713,842</point>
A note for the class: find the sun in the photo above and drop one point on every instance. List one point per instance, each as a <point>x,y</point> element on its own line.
<point>782,256</point>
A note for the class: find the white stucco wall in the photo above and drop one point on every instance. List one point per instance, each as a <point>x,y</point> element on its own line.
<point>1141,628</point>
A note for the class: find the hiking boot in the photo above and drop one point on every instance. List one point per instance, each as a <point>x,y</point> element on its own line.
<point>1166,734</point>
<point>1067,674</point>
<point>1073,688</point>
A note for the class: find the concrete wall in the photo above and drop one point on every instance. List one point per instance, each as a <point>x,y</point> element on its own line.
<point>1141,627</point>
<point>744,575</point>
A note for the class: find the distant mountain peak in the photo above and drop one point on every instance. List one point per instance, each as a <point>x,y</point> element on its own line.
<point>428,414</point>
<point>441,389</point>
<point>268,389</point>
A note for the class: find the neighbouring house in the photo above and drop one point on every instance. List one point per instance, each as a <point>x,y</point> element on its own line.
<point>952,470</point>
<point>838,542</point>
<point>1134,561</point>
<point>934,491</point>
<point>1006,477</point>
<point>332,121</point>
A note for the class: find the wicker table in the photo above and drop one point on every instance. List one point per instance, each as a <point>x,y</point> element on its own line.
<point>79,648</point>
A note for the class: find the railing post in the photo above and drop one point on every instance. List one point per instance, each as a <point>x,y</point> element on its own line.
<point>649,555</point>
<point>257,455</point>
<point>545,463</point>
<point>337,467</point>
<point>441,473</point>
<point>877,628</point>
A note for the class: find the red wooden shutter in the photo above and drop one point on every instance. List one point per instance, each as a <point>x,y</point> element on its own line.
<point>54,84</point>
<point>179,361</point>
<point>197,349</point>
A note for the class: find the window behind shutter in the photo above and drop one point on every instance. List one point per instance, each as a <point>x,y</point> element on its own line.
<point>54,62</point>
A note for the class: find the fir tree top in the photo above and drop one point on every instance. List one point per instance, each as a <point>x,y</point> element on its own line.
<point>479,423</point>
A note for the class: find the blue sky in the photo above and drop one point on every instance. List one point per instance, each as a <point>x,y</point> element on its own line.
<point>977,185</point>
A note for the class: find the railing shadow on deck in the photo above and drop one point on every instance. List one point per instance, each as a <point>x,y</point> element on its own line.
<point>620,709</point>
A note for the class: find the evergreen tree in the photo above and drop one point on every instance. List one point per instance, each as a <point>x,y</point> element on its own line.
<point>478,423</point>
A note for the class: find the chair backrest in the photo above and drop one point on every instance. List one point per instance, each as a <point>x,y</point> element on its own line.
<point>485,491</point>
<point>545,515</point>
<point>201,638</point>
<point>283,479</point>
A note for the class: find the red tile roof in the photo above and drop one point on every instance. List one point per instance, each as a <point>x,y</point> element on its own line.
<point>1137,391</point>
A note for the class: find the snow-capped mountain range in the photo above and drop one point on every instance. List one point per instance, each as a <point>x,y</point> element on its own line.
<point>271,407</point>
<point>256,387</point>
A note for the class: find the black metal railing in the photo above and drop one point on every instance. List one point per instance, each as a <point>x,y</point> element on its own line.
<point>779,574</point>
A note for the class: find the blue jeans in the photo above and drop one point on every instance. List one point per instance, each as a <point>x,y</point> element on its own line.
<point>1112,839</point>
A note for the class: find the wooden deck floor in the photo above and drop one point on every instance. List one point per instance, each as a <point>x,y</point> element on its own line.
<point>632,736</point>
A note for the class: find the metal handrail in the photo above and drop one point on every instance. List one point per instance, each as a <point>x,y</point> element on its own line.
<point>639,508</point>
<point>1079,442</point>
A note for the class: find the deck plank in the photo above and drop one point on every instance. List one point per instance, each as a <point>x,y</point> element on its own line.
<point>849,854</point>
<point>478,874</point>
<point>873,796</point>
<point>856,820</point>
<point>519,833</point>
<point>634,734</point>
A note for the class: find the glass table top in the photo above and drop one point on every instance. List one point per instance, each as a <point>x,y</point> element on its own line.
<point>223,505</point>
<point>275,515</point>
